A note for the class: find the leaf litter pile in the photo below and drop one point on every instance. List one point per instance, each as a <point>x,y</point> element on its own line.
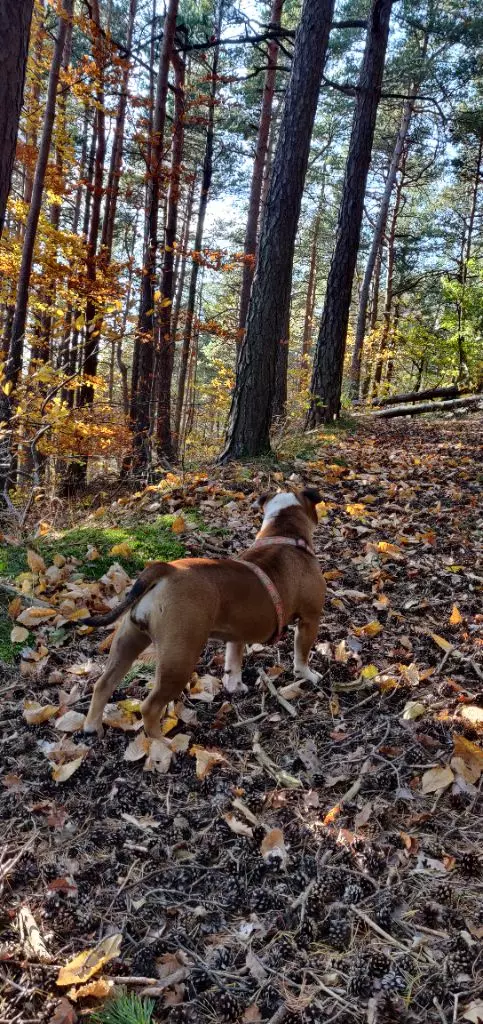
<point>298,853</point>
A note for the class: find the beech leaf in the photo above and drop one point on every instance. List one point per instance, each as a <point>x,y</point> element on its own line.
<point>436,778</point>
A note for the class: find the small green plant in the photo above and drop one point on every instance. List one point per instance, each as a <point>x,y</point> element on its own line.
<point>125,1009</point>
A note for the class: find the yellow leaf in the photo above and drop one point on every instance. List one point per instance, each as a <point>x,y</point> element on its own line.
<point>178,524</point>
<point>389,549</point>
<point>89,962</point>
<point>157,295</point>
<point>35,713</point>
<point>8,387</point>
<point>333,574</point>
<point>369,672</point>
<point>167,302</point>
<point>331,815</point>
<point>35,561</point>
<point>441,642</point>
<point>456,617</point>
<point>469,752</point>
<point>435,779</point>
<point>334,705</point>
<point>122,549</point>
<point>98,989</point>
<point>357,510</point>
<point>64,771</point>
<point>19,634</point>
<point>370,629</point>
<point>130,704</point>
<point>92,554</point>
<point>206,760</point>
<point>34,616</point>
<point>168,723</point>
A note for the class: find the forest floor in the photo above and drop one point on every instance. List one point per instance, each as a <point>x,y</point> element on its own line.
<point>312,860</point>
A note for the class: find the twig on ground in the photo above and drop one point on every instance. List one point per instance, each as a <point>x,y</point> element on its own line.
<point>440,1010</point>
<point>273,690</point>
<point>380,931</point>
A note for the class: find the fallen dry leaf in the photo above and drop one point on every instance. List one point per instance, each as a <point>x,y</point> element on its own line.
<point>240,828</point>
<point>206,759</point>
<point>273,846</point>
<point>123,549</point>
<point>474,1011</point>
<point>469,752</point>
<point>64,1013</point>
<point>436,778</point>
<point>35,562</point>
<point>159,758</point>
<point>473,714</point>
<point>19,634</point>
<point>35,616</point>
<point>413,709</point>
<point>65,771</point>
<point>15,607</point>
<point>35,713</point>
<point>180,743</point>
<point>179,524</point>
<point>137,748</point>
<point>370,629</point>
<point>456,617</point>
<point>90,961</point>
<point>252,1015</point>
<point>71,721</point>
<point>100,988</point>
<point>441,642</point>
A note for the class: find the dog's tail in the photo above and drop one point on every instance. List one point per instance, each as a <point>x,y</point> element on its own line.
<point>148,579</point>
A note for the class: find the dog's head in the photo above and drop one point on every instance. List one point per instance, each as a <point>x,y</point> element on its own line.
<point>272,503</point>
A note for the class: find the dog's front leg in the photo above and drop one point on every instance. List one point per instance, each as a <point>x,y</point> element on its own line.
<point>232,679</point>
<point>128,643</point>
<point>305,634</point>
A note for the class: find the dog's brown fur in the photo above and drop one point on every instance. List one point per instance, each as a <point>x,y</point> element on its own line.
<point>179,605</point>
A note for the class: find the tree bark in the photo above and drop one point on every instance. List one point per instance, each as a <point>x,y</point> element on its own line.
<point>14,364</point>
<point>279,406</point>
<point>166,335</point>
<point>182,257</point>
<point>466,254</point>
<point>389,288</point>
<point>355,371</point>
<point>326,384</point>
<point>206,176</point>
<point>259,163</point>
<point>419,396</point>
<point>15,20</point>
<point>310,300</point>
<point>112,190</point>
<point>143,361</point>
<point>251,409</point>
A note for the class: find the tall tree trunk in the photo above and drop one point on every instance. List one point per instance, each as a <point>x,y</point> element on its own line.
<point>380,227</point>
<point>206,176</point>
<point>32,101</point>
<point>144,342</point>
<point>389,290</point>
<point>326,383</point>
<point>182,257</point>
<point>310,300</point>
<point>258,168</point>
<point>15,20</point>
<point>166,336</point>
<point>112,190</point>
<point>14,364</point>
<point>376,284</point>
<point>279,406</point>
<point>463,374</point>
<point>251,408</point>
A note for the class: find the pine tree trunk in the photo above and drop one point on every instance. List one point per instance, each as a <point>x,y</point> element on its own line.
<point>310,300</point>
<point>355,372</point>
<point>326,383</point>
<point>164,441</point>
<point>206,176</point>
<point>389,290</point>
<point>15,20</point>
<point>143,362</point>
<point>376,284</point>
<point>463,374</point>
<point>182,257</point>
<point>258,169</point>
<point>279,406</point>
<point>14,364</point>
<point>251,409</point>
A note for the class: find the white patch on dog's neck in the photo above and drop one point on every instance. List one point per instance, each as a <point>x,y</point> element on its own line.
<point>276,504</point>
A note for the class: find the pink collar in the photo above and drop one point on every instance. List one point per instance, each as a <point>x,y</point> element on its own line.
<point>294,542</point>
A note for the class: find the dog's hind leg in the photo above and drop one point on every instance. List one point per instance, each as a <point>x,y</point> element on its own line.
<point>305,635</point>
<point>232,679</point>
<point>128,643</point>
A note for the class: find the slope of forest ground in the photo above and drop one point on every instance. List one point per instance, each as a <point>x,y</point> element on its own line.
<point>310,859</point>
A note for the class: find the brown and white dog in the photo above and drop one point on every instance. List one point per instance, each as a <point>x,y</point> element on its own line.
<point>179,605</point>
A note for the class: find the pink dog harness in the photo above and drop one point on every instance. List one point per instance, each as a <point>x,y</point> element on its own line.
<point>296,542</point>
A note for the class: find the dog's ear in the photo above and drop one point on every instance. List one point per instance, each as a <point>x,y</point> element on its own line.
<point>310,499</point>
<point>262,499</point>
<point>312,495</point>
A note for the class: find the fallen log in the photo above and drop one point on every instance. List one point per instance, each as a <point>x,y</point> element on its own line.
<point>451,391</point>
<point>417,410</point>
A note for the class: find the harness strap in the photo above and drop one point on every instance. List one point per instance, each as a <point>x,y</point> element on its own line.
<point>295,542</point>
<point>275,596</point>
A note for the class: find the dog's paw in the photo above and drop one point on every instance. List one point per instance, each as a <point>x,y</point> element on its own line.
<point>233,684</point>
<point>93,729</point>
<point>307,674</point>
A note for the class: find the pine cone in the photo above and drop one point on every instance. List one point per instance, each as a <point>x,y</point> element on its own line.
<point>339,931</point>
<point>470,864</point>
